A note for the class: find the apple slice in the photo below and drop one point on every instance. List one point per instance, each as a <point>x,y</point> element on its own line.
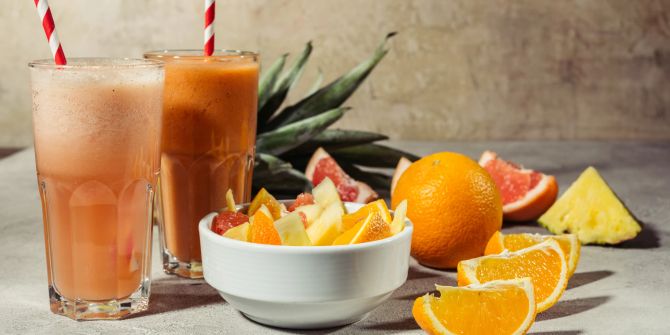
<point>311,213</point>
<point>328,226</point>
<point>326,194</point>
<point>240,233</point>
<point>399,215</point>
<point>292,231</point>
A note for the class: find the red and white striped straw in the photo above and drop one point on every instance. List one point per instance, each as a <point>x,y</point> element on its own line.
<point>210,5</point>
<point>50,30</point>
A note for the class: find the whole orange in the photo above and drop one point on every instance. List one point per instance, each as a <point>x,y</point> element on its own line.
<point>454,205</point>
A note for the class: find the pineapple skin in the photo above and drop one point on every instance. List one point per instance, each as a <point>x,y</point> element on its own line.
<point>591,210</point>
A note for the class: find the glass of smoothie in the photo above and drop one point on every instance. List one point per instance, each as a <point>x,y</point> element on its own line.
<point>209,135</point>
<point>97,127</point>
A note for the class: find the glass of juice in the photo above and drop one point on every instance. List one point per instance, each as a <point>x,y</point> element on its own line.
<point>209,135</point>
<point>97,127</point>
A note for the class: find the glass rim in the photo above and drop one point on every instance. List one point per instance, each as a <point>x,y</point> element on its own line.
<point>198,54</point>
<point>92,63</point>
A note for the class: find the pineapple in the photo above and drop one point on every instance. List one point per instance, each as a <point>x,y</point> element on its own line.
<point>287,137</point>
<point>592,211</point>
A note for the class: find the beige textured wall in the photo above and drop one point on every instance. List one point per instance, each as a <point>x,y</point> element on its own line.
<point>459,69</point>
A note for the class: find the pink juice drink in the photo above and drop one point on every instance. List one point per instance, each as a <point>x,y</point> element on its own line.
<point>97,128</point>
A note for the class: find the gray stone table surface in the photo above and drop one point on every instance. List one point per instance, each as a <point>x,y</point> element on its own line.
<point>616,290</point>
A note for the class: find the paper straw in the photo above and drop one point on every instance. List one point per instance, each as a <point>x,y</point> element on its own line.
<point>44,12</point>
<point>209,27</point>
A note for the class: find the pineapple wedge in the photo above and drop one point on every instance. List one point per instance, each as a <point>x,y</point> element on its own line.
<point>292,231</point>
<point>399,216</point>
<point>328,226</point>
<point>591,210</point>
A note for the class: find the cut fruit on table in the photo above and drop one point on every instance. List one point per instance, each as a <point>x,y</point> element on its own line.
<point>526,194</point>
<point>515,242</point>
<point>322,165</point>
<point>543,263</point>
<point>454,205</point>
<point>591,210</point>
<point>499,307</point>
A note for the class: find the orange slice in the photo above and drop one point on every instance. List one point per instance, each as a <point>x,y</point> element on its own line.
<point>378,206</point>
<point>543,263</point>
<point>514,242</point>
<point>373,228</point>
<point>262,229</point>
<point>263,197</point>
<point>497,307</point>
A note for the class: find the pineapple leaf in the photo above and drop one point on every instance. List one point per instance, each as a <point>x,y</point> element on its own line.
<point>282,86</point>
<point>317,84</point>
<point>376,180</point>
<point>267,83</point>
<point>283,139</point>
<point>372,155</point>
<point>331,139</point>
<point>333,95</point>
<point>278,175</point>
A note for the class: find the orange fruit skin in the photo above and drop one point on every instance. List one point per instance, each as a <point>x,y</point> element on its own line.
<point>262,230</point>
<point>421,318</point>
<point>454,205</point>
<point>536,206</point>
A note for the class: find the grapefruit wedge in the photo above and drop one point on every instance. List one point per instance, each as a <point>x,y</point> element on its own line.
<point>403,164</point>
<point>322,165</point>
<point>526,194</point>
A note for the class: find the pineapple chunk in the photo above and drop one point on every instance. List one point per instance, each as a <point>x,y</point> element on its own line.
<point>591,210</point>
<point>240,233</point>
<point>326,193</point>
<point>328,226</point>
<point>263,209</point>
<point>311,212</point>
<point>292,231</point>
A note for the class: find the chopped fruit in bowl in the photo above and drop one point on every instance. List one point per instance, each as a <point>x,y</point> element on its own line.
<point>505,307</point>
<point>301,263</point>
<point>322,166</point>
<point>592,211</point>
<point>318,219</point>
<point>526,194</point>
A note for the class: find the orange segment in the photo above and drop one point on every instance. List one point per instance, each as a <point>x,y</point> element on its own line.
<point>265,198</point>
<point>544,263</point>
<point>378,206</point>
<point>372,228</point>
<point>497,307</point>
<point>514,242</point>
<point>262,230</point>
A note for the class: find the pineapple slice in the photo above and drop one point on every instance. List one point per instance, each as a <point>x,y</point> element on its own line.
<point>292,231</point>
<point>328,226</point>
<point>326,193</point>
<point>311,212</point>
<point>240,233</point>
<point>591,210</point>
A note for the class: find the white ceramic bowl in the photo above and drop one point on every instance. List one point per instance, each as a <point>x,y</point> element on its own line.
<point>304,287</point>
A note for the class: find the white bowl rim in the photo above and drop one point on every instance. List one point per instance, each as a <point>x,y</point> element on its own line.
<point>205,227</point>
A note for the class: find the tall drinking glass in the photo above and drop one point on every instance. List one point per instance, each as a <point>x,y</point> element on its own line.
<point>97,127</point>
<point>209,118</point>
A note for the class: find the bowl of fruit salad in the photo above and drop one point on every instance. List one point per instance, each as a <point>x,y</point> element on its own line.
<point>312,262</point>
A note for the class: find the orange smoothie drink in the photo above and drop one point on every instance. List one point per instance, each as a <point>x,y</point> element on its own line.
<point>209,119</point>
<point>97,127</point>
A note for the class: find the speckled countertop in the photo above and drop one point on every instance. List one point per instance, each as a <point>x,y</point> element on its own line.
<point>616,290</point>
